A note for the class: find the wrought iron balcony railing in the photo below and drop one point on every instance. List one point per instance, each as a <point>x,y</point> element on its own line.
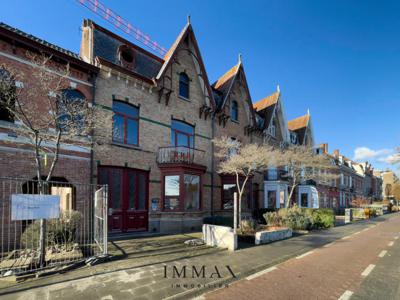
<point>180,155</point>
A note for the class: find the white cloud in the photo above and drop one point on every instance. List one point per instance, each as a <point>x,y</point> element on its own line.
<point>390,159</point>
<point>365,153</point>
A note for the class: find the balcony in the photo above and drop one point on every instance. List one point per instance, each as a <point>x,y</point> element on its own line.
<point>180,155</point>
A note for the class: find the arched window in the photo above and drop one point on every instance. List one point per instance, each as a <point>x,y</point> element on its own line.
<point>183,85</point>
<point>234,111</point>
<point>7,95</point>
<point>71,110</point>
<point>125,123</point>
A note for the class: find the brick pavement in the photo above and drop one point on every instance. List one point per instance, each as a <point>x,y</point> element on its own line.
<point>143,277</point>
<point>324,273</point>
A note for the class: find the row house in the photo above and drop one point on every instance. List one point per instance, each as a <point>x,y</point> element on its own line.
<point>389,180</point>
<point>21,53</point>
<point>157,157</point>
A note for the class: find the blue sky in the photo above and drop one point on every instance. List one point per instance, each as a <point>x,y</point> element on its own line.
<point>340,59</point>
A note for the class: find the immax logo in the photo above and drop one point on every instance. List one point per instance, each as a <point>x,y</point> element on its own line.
<point>192,272</point>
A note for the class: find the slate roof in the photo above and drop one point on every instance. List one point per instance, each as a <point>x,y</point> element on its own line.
<point>38,40</point>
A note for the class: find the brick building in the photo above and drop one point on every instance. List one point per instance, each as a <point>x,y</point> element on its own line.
<point>17,153</point>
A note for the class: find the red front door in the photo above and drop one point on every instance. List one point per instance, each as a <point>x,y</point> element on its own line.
<point>128,198</point>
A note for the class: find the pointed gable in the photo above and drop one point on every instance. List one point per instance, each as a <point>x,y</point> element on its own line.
<point>302,127</point>
<point>224,86</point>
<point>187,34</point>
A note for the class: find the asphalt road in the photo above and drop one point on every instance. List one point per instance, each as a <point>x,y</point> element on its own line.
<point>364,265</point>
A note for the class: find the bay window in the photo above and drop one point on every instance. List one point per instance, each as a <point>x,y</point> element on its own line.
<point>182,191</point>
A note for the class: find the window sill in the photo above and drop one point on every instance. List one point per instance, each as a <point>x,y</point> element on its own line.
<point>235,121</point>
<point>184,98</point>
<point>127,146</point>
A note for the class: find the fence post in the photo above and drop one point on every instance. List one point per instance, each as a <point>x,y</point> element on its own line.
<point>235,216</point>
<point>105,220</point>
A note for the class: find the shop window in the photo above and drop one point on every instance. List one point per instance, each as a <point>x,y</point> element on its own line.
<point>184,85</point>
<point>125,123</point>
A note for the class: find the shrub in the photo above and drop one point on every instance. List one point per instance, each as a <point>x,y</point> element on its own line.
<point>322,218</point>
<point>248,226</point>
<point>301,218</point>
<point>61,231</point>
<point>272,218</point>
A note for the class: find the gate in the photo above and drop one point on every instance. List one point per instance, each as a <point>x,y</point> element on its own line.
<point>50,224</point>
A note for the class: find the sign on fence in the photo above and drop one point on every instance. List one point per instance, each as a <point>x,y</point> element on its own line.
<point>33,207</point>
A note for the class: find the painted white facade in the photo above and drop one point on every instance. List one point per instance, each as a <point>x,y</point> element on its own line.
<point>312,196</point>
<point>280,188</point>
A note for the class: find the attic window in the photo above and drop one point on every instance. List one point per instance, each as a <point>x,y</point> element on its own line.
<point>126,56</point>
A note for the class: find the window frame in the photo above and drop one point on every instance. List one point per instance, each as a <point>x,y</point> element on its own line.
<point>126,118</point>
<point>229,179</point>
<point>184,80</point>
<point>182,193</point>
<point>234,105</point>
<point>176,132</point>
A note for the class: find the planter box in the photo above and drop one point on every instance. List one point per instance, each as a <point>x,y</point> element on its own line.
<point>220,236</point>
<point>264,237</point>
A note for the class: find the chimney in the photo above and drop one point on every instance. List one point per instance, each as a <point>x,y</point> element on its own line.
<point>324,147</point>
<point>336,153</point>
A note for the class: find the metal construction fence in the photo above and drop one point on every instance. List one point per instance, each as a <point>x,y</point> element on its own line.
<point>48,224</point>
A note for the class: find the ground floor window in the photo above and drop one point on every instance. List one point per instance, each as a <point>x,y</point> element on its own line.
<point>229,188</point>
<point>271,199</point>
<point>182,191</point>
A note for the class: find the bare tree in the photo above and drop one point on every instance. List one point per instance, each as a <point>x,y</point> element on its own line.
<point>46,114</point>
<point>243,161</point>
<point>304,165</point>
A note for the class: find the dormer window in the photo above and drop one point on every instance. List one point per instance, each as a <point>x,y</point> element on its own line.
<point>183,85</point>
<point>126,57</point>
<point>234,111</point>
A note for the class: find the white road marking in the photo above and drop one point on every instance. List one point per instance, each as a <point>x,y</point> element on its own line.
<point>358,232</point>
<point>328,245</point>
<point>391,244</point>
<point>258,274</point>
<point>396,237</point>
<point>383,253</point>
<point>368,270</point>
<point>346,295</point>
<point>365,229</point>
<point>199,298</point>
<point>346,237</point>
<point>304,254</point>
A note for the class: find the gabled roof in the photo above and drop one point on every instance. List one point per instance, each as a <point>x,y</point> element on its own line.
<point>187,31</point>
<point>267,101</point>
<point>43,45</point>
<point>225,81</point>
<point>299,123</point>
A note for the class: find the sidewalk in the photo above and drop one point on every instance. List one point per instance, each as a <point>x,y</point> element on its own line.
<point>144,277</point>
